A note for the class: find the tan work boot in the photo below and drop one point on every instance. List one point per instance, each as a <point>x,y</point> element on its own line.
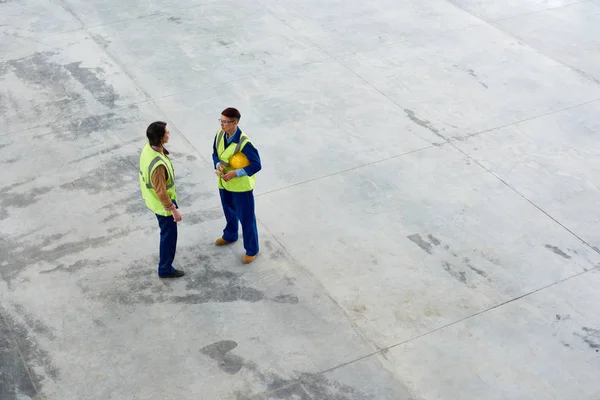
<point>221,242</point>
<point>248,259</point>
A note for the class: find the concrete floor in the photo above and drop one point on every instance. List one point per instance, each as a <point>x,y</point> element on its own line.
<point>428,205</point>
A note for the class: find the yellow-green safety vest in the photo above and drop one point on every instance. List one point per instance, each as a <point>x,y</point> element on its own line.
<point>237,184</point>
<point>151,159</point>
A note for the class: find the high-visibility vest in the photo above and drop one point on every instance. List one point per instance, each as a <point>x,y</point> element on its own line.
<point>237,184</point>
<point>151,159</point>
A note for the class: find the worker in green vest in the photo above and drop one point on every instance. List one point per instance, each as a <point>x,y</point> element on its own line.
<point>157,183</point>
<point>236,162</point>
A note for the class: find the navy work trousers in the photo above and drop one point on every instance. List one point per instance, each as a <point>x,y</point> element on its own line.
<point>239,206</point>
<point>168,244</point>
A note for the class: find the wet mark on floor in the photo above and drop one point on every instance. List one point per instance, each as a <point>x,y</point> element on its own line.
<point>51,80</point>
<point>558,251</point>
<point>200,217</point>
<point>205,282</point>
<point>22,253</point>
<point>424,123</point>
<point>15,383</point>
<point>176,20</point>
<point>219,352</point>
<point>302,386</point>
<point>101,41</point>
<point>591,337</point>
<point>286,298</point>
<point>460,276</point>
<point>76,266</point>
<point>481,272</point>
<point>28,364</point>
<point>82,127</point>
<point>61,90</point>
<point>11,198</point>
<point>91,79</point>
<point>473,74</point>
<point>110,176</point>
<point>423,244</point>
<point>464,270</point>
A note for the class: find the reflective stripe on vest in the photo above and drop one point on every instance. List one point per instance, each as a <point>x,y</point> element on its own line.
<point>170,177</point>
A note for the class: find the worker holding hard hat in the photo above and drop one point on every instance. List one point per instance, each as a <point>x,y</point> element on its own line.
<point>236,163</point>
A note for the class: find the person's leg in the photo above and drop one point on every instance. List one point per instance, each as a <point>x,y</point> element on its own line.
<point>244,206</point>
<point>230,233</point>
<point>168,244</point>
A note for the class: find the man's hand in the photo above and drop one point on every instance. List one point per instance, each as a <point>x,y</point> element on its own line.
<point>219,170</point>
<point>176,215</point>
<point>229,176</point>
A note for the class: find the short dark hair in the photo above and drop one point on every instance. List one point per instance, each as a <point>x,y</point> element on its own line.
<point>155,133</point>
<point>231,112</point>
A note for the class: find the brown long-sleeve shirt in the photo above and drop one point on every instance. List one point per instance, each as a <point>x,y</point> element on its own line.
<point>159,181</point>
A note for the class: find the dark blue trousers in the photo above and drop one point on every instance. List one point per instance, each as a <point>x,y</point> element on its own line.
<point>168,244</point>
<point>239,206</point>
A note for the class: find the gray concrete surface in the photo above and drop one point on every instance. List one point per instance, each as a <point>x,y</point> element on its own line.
<point>428,205</point>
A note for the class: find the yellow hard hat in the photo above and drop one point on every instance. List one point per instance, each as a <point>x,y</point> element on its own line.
<point>239,160</point>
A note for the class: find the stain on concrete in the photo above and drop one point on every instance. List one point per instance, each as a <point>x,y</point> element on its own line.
<point>27,365</point>
<point>435,241</point>
<point>76,266</point>
<point>176,20</point>
<point>464,263</point>
<point>277,254</point>
<point>286,298</point>
<point>492,259</point>
<point>200,217</point>
<point>91,79</point>
<point>60,89</point>
<point>78,127</point>
<point>472,73</point>
<point>205,282</point>
<point>191,158</point>
<point>219,352</point>
<point>15,381</point>
<point>460,276</point>
<point>590,336</point>
<point>30,252</point>
<point>109,177</point>
<point>424,123</point>
<point>303,386</point>
<point>422,243</point>
<point>101,41</point>
<point>289,281</point>
<point>558,251</point>
<point>227,295</point>
<point>293,392</point>
<point>476,270</point>
<point>51,80</point>
<point>14,199</point>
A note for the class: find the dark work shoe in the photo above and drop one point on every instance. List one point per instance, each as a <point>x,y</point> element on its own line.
<point>175,274</point>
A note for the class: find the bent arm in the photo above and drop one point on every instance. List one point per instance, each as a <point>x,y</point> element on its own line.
<point>253,157</point>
